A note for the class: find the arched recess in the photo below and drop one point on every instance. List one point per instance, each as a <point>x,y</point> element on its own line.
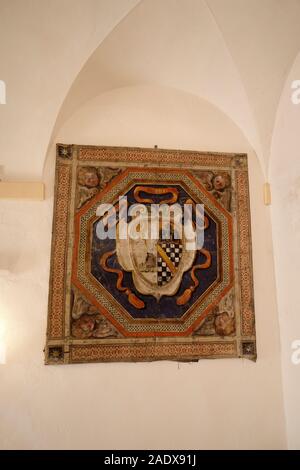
<point>284,175</point>
<point>170,118</point>
<point>237,390</point>
<point>148,115</point>
<point>170,45</point>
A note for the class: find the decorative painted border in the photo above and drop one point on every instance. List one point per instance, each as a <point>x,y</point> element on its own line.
<point>55,328</point>
<point>135,155</point>
<point>137,328</point>
<point>151,351</point>
<point>60,348</point>
<point>245,255</point>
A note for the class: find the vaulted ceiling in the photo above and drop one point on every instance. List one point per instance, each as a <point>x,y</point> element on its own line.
<point>57,55</point>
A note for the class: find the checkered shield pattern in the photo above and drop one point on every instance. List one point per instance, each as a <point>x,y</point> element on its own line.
<point>173,251</point>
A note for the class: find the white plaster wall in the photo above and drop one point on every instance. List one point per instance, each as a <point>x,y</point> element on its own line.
<point>285,183</point>
<point>226,403</point>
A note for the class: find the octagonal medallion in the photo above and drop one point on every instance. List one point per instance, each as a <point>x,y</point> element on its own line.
<point>154,285</point>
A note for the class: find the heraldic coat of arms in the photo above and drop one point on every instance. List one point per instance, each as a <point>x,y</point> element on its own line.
<point>149,255</point>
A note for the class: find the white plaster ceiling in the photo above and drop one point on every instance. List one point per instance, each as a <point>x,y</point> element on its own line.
<point>234,53</point>
<point>263,37</point>
<point>43,46</point>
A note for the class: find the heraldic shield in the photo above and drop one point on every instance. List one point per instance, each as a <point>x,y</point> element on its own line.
<point>157,264</point>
